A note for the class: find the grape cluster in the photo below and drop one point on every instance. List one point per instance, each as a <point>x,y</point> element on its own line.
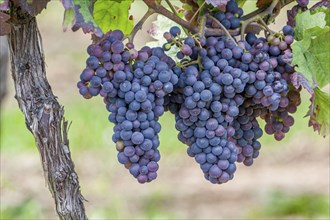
<point>203,127</point>
<point>234,84</point>
<point>137,109</point>
<point>287,98</point>
<point>217,91</point>
<point>134,96</point>
<point>279,122</point>
<point>105,58</point>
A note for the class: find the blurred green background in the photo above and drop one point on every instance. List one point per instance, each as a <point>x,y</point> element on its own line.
<point>289,180</point>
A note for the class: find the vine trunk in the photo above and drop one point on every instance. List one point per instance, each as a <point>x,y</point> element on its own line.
<point>44,116</point>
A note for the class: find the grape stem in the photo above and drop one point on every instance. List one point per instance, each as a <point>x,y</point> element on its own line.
<point>196,13</point>
<point>222,27</point>
<point>176,13</point>
<point>171,6</point>
<point>200,34</point>
<point>158,8</point>
<point>183,65</point>
<point>263,24</point>
<point>202,26</point>
<point>261,15</point>
<point>155,7</point>
<point>139,25</point>
<point>283,3</point>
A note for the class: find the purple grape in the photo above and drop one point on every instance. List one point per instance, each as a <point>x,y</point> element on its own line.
<point>303,3</point>
<point>175,31</point>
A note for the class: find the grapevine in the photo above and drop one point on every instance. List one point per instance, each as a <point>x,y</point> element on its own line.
<point>219,89</point>
<point>230,71</point>
<point>221,72</point>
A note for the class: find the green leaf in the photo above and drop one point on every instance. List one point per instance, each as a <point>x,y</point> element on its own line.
<point>320,112</point>
<point>312,56</point>
<point>199,2</point>
<point>181,13</point>
<point>327,16</point>
<point>84,17</point>
<point>68,19</point>
<point>112,15</point>
<point>187,7</point>
<point>306,20</point>
<point>240,3</point>
<point>326,11</point>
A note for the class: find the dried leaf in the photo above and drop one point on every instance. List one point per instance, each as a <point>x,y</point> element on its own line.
<point>263,3</point>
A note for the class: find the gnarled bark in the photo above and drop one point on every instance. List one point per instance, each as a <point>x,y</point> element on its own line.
<point>44,115</point>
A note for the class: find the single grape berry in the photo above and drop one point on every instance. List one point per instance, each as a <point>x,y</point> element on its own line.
<point>175,31</point>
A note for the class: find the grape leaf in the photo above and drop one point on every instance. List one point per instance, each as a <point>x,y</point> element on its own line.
<point>187,7</point>
<point>327,16</point>
<point>4,26</point>
<point>306,20</point>
<point>111,15</point>
<point>240,3</point>
<point>180,13</point>
<point>83,18</point>
<point>4,5</point>
<point>298,79</point>
<point>312,56</point>
<point>33,7</point>
<point>319,112</point>
<point>68,19</point>
<point>324,10</point>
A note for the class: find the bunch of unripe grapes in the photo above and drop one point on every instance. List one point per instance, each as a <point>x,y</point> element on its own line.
<point>218,91</point>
